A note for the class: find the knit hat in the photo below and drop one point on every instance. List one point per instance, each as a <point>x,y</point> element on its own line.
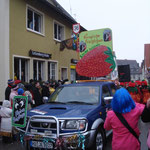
<point>6,103</point>
<point>10,81</point>
<point>20,91</point>
<point>20,85</point>
<point>15,87</point>
<point>17,81</point>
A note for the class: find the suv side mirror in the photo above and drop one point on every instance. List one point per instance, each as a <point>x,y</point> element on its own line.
<point>108,99</point>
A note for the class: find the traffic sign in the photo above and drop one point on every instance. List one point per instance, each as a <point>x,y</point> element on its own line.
<point>76,28</point>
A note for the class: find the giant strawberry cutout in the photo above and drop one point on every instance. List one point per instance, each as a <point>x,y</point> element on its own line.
<point>98,62</point>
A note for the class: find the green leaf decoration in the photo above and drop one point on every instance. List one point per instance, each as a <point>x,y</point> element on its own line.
<point>133,89</point>
<point>110,59</point>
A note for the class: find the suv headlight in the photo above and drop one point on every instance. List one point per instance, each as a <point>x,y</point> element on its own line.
<point>73,124</point>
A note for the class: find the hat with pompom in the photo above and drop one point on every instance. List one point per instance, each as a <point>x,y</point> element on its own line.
<point>20,91</point>
<point>10,81</point>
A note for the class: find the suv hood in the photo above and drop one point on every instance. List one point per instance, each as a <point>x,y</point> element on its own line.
<point>62,110</point>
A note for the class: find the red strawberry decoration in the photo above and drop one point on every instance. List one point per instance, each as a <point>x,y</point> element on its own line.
<point>98,62</point>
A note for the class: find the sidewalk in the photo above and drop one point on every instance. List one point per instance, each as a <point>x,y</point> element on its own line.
<point>144,127</point>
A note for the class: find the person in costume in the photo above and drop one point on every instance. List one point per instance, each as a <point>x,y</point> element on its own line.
<point>13,93</point>
<point>132,89</point>
<point>8,89</point>
<point>138,85</point>
<point>123,104</point>
<point>145,91</point>
<point>28,92</point>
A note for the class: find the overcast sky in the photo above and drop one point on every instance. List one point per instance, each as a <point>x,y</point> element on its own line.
<point>128,19</point>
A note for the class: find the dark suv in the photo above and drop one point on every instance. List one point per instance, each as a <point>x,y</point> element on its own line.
<point>74,117</point>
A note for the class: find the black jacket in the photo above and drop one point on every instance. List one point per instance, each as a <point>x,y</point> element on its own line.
<point>146,115</point>
<point>7,92</point>
<point>45,91</point>
<point>37,96</point>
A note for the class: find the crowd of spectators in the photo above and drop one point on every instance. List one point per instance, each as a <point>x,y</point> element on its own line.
<point>34,90</point>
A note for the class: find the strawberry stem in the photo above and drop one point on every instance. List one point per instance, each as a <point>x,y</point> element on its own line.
<point>110,59</point>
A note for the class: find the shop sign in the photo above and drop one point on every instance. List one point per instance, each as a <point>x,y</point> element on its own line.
<point>72,67</point>
<point>74,61</point>
<point>39,54</point>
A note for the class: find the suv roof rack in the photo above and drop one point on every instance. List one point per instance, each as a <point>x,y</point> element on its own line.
<point>79,81</point>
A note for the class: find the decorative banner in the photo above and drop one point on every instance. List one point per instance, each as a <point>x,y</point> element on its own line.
<point>66,44</point>
<point>97,59</point>
<point>77,140</point>
<point>75,44</point>
<point>19,112</point>
<point>72,43</point>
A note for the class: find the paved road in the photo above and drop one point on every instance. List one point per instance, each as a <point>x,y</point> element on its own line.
<point>142,126</point>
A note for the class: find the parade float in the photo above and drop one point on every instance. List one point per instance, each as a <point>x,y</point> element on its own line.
<point>74,115</point>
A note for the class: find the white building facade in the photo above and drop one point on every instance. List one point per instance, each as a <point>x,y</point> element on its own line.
<point>4,46</point>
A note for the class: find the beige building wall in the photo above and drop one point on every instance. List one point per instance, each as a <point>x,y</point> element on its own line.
<point>22,40</point>
<point>4,46</point>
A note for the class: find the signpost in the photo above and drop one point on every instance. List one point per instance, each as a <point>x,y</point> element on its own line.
<point>19,112</point>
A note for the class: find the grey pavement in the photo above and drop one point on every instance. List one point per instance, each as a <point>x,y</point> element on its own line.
<point>144,127</point>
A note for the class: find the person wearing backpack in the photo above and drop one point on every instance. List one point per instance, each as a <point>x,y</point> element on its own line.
<point>146,118</point>
<point>123,120</point>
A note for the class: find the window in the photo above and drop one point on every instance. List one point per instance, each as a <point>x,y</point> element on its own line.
<point>113,89</point>
<point>77,95</point>
<point>38,71</point>
<point>21,67</point>
<point>105,91</point>
<point>34,21</point>
<point>63,73</point>
<point>58,32</point>
<point>73,75</point>
<point>52,67</point>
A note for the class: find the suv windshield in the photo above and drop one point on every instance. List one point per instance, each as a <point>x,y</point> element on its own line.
<point>76,94</point>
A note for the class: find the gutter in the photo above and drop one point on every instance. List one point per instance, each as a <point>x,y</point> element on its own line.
<point>60,11</point>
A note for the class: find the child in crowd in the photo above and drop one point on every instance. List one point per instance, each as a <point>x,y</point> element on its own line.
<point>5,126</point>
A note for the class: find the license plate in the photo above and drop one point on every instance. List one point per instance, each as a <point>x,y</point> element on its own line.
<point>40,144</point>
<point>48,132</point>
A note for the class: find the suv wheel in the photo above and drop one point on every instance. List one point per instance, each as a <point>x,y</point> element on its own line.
<point>99,141</point>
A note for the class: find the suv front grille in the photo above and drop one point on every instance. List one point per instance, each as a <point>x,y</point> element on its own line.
<point>45,125</point>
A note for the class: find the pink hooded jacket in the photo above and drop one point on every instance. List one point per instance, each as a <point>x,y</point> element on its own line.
<point>122,138</point>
